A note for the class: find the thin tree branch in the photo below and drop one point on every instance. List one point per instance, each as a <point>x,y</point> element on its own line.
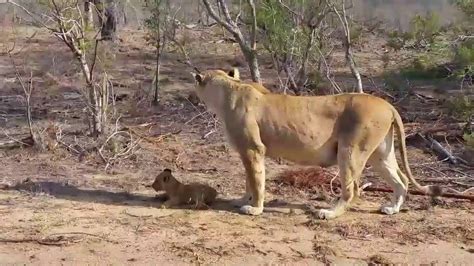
<point>253,36</point>
<point>217,18</point>
<point>347,43</point>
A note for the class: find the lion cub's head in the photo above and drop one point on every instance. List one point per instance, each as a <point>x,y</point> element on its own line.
<point>164,181</point>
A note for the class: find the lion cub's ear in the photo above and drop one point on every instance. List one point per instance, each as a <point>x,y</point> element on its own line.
<point>197,77</point>
<point>234,73</point>
<point>166,178</point>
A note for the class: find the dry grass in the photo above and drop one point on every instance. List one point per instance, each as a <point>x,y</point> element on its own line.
<point>309,179</point>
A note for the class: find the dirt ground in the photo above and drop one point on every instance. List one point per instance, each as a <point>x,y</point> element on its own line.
<point>67,209</point>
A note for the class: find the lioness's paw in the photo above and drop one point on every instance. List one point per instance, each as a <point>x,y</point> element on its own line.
<point>389,210</point>
<point>326,214</point>
<point>241,201</point>
<point>247,209</point>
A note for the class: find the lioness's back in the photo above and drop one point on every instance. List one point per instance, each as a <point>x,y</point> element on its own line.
<point>323,107</point>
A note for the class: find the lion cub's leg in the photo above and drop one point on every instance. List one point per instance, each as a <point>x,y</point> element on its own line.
<point>254,163</point>
<point>172,202</point>
<point>383,161</point>
<point>351,164</point>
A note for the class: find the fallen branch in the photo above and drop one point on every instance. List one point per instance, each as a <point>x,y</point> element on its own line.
<point>460,195</point>
<point>57,239</point>
<point>16,143</point>
<point>438,149</point>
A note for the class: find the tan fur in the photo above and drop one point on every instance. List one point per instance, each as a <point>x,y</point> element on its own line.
<point>235,74</point>
<point>199,194</point>
<point>349,130</point>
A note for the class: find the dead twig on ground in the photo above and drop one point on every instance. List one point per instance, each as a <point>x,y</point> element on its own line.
<point>205,136</point>
<point>153,140</point>
<point>56,239</point>
<point>15,143</point>
<point>457,195</point>
<point>137,216</point>
<point>118,153</point>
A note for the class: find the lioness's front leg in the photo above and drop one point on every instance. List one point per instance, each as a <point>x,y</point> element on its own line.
<point>254,163</point>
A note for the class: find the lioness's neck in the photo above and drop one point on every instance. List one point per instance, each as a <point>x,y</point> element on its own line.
<point>220,95</point>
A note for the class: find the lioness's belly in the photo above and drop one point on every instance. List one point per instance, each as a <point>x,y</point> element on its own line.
<point>300,145</point>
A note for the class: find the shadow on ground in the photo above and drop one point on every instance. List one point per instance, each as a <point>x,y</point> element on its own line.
<point>73,193</point>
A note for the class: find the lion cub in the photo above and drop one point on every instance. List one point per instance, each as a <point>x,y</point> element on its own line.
<point>178,193</point>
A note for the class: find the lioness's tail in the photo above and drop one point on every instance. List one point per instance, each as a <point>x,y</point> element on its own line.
<point>427,190</point>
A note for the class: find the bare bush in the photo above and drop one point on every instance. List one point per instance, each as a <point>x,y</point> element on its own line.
<point>66,21</point>
<point>300,37</point>
<point>342,15</point>
<point>248,44</point>
<point>161,27</point>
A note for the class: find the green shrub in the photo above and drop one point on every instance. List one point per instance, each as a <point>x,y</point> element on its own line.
<point>425,67</point>
<point>466,6</point>
<point>461,107</point>
<point>397,39</point>
<point>394,83</point>
<point>425,28</point>
<point>469,139</point>
<point>464,55</point>
<point>356,33</point>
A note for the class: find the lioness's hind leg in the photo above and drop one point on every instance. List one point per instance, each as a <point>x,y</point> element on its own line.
<point>351,164</point>
<point>384,162</point>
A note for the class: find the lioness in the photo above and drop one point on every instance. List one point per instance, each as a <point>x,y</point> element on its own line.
<point>349,130</point>
<point>178,193</point>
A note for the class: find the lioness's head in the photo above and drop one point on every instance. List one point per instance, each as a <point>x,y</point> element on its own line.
<point>210,84</point>
<point>164,180</point>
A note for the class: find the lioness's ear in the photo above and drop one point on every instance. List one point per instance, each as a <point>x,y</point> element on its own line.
<point>234,73</point>
<point>166,178</point>
<point>197,77</point>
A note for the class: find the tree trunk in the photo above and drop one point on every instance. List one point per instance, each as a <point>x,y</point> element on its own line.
<point>253,66</point>
<point>302,75</point>
<point>96,118</point>
<point>157,75</point>
<point>123,10</point>
<point>107,18</point>
<point>248,48</point>
<point>352,65</point>
<point>89,16</point>
<point>251,58</point>
<point>348,45</point>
